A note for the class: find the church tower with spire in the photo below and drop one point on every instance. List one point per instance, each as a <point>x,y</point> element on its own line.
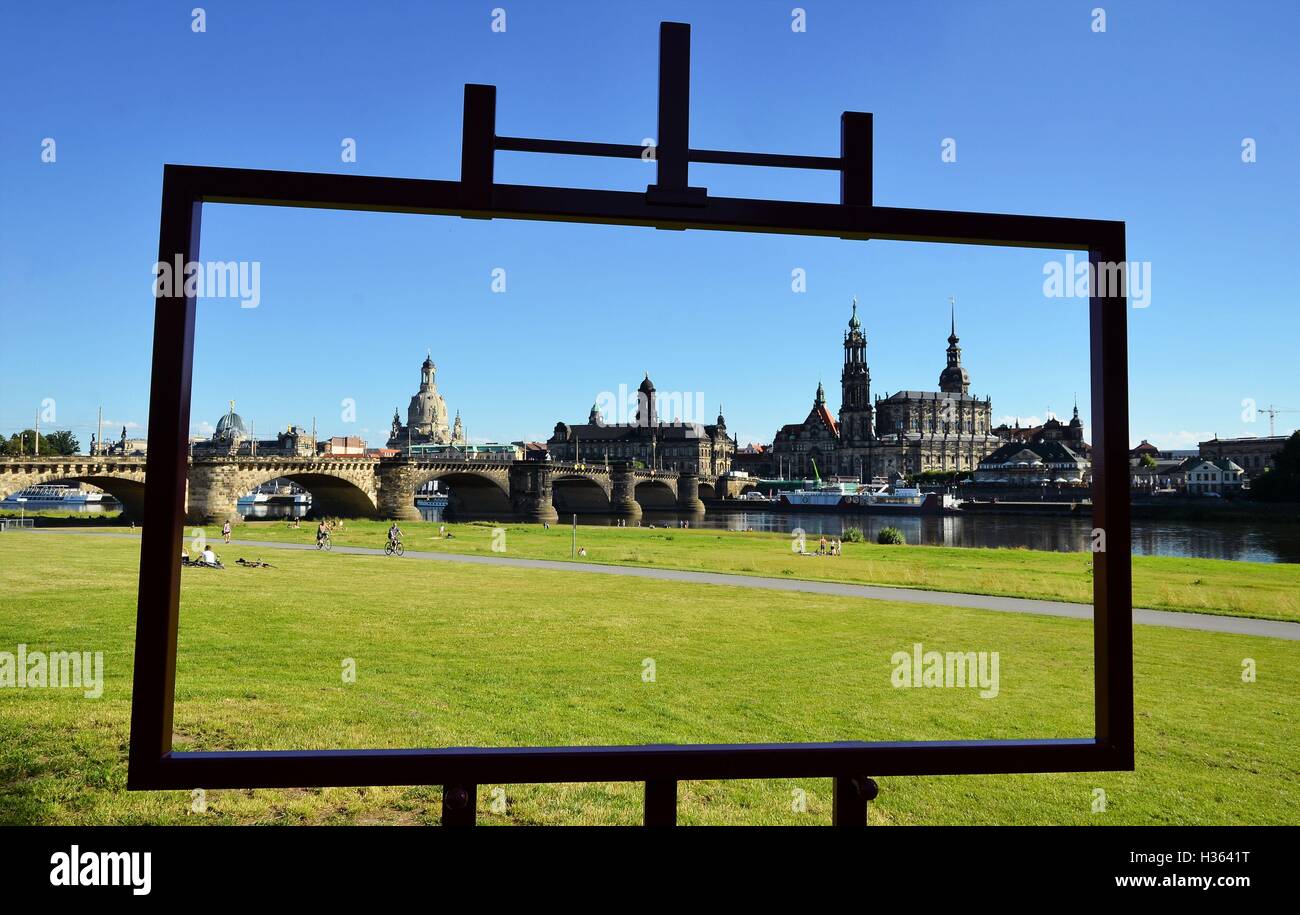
<point>856,425</point>
<point>954,379</point>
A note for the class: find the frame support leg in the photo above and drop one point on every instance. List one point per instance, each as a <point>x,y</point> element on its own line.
<point>849,799</point>
<point>458,805</point>
<point>661,803</point>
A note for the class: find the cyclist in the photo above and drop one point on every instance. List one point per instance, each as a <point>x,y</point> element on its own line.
<point>394,534</point>
<point>322,531</point>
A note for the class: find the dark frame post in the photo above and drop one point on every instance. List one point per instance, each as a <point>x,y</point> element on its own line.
<point>856,164</point>
<point>661,802</point>
<point>673,145</point>
<point>158,615</point>
<point>459,805</point>
<point>478,145</point>
<point>1112,565</point>
<point>849,797</point>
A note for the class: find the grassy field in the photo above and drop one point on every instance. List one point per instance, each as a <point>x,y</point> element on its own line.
<point>449,654</point>
<point>1266,591</point>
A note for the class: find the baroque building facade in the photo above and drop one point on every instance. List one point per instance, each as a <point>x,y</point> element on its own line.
<point>232,437</point>
<point>426,415</point>
<point>1069,434</point>
<point>805,449</point>
<point>647,440</point>
<point>906,432</point>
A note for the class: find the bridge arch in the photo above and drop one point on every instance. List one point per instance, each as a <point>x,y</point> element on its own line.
<point>579,495</point>
<point>707,491</point>
<point>128,491</point>
<point>655,495</point>
<point>470,494</point>
<point>332,496</point>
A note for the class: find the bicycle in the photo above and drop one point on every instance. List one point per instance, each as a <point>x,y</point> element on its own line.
<point>323,543</point>
<point>394,548</point>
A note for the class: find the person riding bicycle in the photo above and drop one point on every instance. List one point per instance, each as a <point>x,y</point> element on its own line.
<point>394,534</point>
<point>322,532</point>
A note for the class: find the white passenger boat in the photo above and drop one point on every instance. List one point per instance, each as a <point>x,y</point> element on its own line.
<point>48,494</point>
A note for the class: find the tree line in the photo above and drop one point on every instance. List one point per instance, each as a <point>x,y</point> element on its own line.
<point>61,442</point>
<point>1281,482</point>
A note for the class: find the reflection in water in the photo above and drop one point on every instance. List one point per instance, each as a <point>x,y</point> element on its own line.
<point>1257,542</point>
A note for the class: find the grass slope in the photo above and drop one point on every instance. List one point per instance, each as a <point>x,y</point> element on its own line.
<point>457,655</point>
<point>1266,591</point>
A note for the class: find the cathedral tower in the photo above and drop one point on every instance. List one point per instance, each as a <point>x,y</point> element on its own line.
<point>954,379</point>
<point>855,384</point>
<point>647,411</point>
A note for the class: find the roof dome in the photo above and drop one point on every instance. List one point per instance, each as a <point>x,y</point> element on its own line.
<point>646,386</point>
<point>854,323</point>
<point>954,377</point>
<point>231,426</point>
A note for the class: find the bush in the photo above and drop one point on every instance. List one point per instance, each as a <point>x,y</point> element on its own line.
<point>853,535</point>
<point>890,535</point>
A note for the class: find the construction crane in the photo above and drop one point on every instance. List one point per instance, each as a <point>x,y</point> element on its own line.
<point>1272,412</point>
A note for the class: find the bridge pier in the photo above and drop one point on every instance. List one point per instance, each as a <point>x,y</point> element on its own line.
<point>731,487</point>
<point>214,493</point>
<point>531,492</point>
<point>622,497</point>
<point>688,493</point>
<point>395,495</point>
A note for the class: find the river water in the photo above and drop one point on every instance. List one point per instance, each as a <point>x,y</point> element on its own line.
<point>1244,542</point>
<point>1262,541</point>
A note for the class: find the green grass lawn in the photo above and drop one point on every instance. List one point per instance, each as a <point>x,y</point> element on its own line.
<point>1263,590</point>
<point>450,654</point>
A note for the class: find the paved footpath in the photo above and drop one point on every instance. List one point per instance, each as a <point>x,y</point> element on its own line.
<point>1175,620</point>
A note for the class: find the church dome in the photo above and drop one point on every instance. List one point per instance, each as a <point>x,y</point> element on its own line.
<point>231,426</point>
<point>647,386</point>
<point>427,409</point>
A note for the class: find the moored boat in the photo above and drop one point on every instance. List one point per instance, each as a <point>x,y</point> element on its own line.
<point>48,494</point>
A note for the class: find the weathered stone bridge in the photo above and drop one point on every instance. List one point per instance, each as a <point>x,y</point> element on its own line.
<point>353,487</point>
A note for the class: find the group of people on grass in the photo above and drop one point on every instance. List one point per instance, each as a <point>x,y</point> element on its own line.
<point>207,557</point>
<point>833,547</point>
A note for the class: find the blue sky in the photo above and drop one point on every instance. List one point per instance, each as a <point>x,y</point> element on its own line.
<point>1142,123</point>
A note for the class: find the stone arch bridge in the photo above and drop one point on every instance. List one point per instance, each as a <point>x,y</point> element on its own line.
<point>385,488</point>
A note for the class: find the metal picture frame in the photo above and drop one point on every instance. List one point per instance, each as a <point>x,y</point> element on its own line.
<point>668,204</point>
